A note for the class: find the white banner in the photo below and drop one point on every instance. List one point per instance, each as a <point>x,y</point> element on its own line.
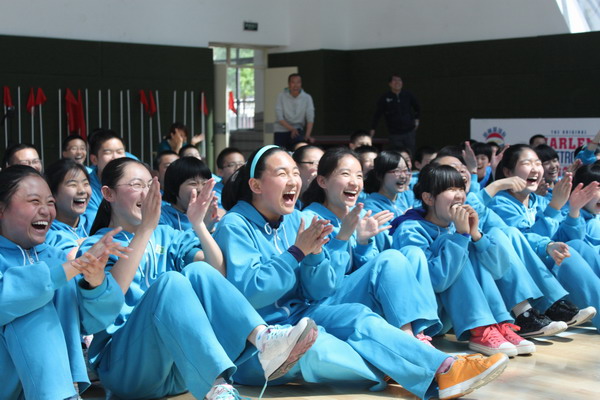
<point>563,134</point>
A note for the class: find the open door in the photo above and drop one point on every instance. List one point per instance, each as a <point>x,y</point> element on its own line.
<point>275,81</point>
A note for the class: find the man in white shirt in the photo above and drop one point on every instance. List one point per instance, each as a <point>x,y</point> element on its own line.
<point>295,114</point>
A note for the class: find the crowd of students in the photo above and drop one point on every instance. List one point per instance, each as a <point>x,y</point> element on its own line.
<point>318,265</point>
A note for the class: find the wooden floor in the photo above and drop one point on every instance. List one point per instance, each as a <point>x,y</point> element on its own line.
<point>565,367</point>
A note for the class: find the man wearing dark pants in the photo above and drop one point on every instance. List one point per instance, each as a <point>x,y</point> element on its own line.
<point>401,111</point>
<point>295,114</point>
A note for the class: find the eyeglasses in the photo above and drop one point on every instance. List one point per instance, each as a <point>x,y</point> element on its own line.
<point>137,184</point>
<point>35,161</point>
<point>235,165</point>
<point>109,152</point>
<point>311,163</point>
<point>75,148</point>
<point>399,172</point>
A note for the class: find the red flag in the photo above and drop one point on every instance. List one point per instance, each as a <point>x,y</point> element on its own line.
<point>232,102</point>
<point>30,101</point>
<point>144,100</point>
<point>81,116</point>
<point>7,99</point>
<point>71,107</point>
<point>40,98</point>
<point>203,105</point>
<point>151,104</point>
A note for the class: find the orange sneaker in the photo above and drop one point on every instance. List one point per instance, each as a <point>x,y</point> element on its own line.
<point>468,373</point>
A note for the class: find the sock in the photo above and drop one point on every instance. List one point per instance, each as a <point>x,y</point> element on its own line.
<point>260,337</point>
<point>521,308</point>
<point>446,365</point>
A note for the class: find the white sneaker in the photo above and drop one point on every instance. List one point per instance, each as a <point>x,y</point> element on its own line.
<point>223,392</point>
<point>282,346</point>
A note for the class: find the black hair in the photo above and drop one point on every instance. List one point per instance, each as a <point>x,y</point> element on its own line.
<point>483,149</point>
<point>298,155</point>
<point>538,136</point>
<point>327,164</point>
<point>452,151</point>
<point>358,134</point>
<point>293,76</point>
<point>422,151</point>
<point>436,179</point>
<point>10,178</point>
<point>174,126</point>
<point>366,149</point>
<point>587,174</point>
<point>111,174</point>
<point>545,152</point>
<point>224,153</point>
<point>57,171</point>
<point>11,150</point>
<point>68,139</point>
<point>386,161</point>
<point>99,137</point>
<point>237,187</point>
<point>159,156</point>
<point>180,171</point>
<point>510,159</point>
<point>393,75</point>
<point>186,147</point>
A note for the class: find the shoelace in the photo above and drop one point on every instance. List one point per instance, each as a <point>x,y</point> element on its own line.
<point>509,330</point>
<point>424,338</point>
<point>227,392</point>
<point>493,336</point>
<point>273,333</point>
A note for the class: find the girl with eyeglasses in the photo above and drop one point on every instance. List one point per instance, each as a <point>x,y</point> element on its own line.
<point>175,332</point>
<point>557,239</point>
<point>387,188</point>
<point>46,301</point>
<point>287,272</point>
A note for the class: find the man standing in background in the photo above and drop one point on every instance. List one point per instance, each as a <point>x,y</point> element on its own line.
<point>401,111</point>
<point>295,114</point>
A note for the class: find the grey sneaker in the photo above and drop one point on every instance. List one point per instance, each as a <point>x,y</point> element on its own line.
<point>282,346</point>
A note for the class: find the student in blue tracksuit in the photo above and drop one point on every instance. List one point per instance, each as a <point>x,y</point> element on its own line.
<point>307,159</point>
<point>228,161</point>
<point>105,145</point>
<point>590,175</point>
<point>74,147</point>
<point>397,284</point>
<point>175,332</point>
<point>43,309</point>
<point>387,188</point>
<point>524,266</point>
<point>551,165</point>
<point>70,185</point>
<point>570,261</point>
<point>181,178</point>
<point>285,272</point>
<point>463,262</point>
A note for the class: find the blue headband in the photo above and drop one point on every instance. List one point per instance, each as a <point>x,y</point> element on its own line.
<point>258,156</point>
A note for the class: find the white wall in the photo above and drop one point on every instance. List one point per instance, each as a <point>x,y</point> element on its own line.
<point>294,25</point>
<point>167,22</point>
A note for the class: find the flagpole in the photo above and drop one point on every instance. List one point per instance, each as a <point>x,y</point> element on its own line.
<point>19,104</point>
<point>174,106</point>
<point>203,122</point>
<point>192,113</point>
<point>142,130</point>
<point>129,122</point>
<point>100,108</point>
<point>5,128</point>
<point>150,134</point>
<point>121,112</point>
<point>87,113</point>
<point>109,122</point>
<point>185,107</point>
<point>59,123</point>
<point>41,133</point>
<point>158,118</point>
